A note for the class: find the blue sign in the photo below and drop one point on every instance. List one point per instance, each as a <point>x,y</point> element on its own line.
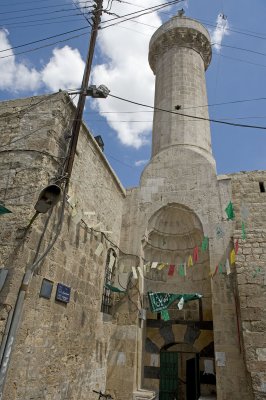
<point>62,293</point>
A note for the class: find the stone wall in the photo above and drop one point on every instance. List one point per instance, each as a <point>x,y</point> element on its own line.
<point>250,207</point>
<point>61,349</point>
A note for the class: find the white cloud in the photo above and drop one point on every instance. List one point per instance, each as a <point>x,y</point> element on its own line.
<point>220,31</point>
<point>64,70</point>
<point>126,73</point>
<point>15,76</point>
<point>139,163</point>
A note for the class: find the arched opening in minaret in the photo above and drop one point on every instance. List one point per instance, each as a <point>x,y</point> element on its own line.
<point>174,239</point>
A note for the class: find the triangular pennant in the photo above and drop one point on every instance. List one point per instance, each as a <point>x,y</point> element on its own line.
<point>161,266</point>
<point>219,232</point>
<point>236,246</point>
<point>221,268</point>
<point>134,272</point>
<point>190,261</point>
<point>140,272</point>
<point>99,250</point>
<point>232,257</point>
<point>165,315</point>
<point>196,254</point>
<point>230,211</point>
<point>181,270</point>
<point>181,303</point>
<point>205,243</point>
<point>215,271</point>
<point>227,267</point>
<point>243,235</point>
<point>154,264</point>
<point>171,270</point>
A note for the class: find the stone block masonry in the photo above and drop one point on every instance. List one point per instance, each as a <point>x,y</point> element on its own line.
<point>249,201</point>
<point>61,349</point>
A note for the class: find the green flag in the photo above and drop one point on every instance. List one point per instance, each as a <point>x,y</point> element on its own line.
<point>243,235</point>
<point>230,211</point>
<point>113,288</point>
<point>4,210</point>
<point>161,301</point>
<point>205,243</point>
<point>165,315</point>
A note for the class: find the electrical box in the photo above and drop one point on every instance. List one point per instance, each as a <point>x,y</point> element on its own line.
<point>46,289</point>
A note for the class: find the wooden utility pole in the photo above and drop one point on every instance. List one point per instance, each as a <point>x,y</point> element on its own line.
<point>96,18</point>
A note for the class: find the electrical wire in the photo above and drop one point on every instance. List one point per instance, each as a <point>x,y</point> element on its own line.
<point>54,20</point>
<point>24,110</point>
<point>39,128</point>
<point>39,8</point>
<point>42,40</point>
<point>190,116</point>
<point>151,9</point>
<point>43,13</point>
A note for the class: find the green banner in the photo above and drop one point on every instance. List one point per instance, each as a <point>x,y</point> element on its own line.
<point>161,301</point>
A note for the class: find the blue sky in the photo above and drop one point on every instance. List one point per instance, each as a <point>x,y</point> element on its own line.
<point>121,63</point>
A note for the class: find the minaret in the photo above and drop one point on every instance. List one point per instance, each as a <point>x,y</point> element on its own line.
<point>179,54</point>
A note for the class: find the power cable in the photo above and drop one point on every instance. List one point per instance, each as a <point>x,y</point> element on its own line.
<point>39,128</point>
<point>39,8</point>
<point>24,111</point>
<point>44,13</point>
<point>190,116</point>
<point>53,19</point>
<point>42,40</point>
<point>80,29</point>
<point>241,60</point>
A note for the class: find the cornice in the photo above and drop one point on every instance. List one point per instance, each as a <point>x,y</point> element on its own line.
<point>181,37</point>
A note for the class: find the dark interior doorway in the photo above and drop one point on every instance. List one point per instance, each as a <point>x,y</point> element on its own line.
<point>193,378</point>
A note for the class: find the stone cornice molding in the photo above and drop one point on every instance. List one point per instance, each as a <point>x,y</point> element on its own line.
<point>180,37</point>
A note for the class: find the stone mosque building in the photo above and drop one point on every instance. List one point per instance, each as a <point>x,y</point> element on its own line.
<point>157,291</point>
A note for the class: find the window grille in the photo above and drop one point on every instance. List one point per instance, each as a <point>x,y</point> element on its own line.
<point>109,274</point>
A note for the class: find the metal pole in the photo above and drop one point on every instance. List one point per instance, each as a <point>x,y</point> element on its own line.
<point>82,98</point>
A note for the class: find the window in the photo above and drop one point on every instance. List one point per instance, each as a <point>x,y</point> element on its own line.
<point>262,187</point>
<point>109,274</point>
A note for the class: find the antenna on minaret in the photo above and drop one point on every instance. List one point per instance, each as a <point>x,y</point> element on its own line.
<point>181,12</point>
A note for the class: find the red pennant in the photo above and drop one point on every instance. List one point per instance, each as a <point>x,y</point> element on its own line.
<point>236,246</point>
<point>196,254</point>
<point>171,270</point>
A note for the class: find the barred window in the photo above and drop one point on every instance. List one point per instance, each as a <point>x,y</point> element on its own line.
<point>109,274</point>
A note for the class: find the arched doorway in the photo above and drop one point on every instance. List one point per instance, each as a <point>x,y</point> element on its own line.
<point>172,362</point>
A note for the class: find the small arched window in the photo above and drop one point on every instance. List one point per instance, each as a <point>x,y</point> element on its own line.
<point>108,280</point>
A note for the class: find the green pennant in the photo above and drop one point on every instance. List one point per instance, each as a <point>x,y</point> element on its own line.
<point>181,270</point>
<point>205,244</point>
<point>4,210</point>
<point>230,211</point>
<point>243,235</point>
<point>165,315</point>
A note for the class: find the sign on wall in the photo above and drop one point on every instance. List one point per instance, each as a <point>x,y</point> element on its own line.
<point>63,293</point>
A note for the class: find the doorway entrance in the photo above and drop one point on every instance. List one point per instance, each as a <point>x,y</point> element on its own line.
<point>179,376</point>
